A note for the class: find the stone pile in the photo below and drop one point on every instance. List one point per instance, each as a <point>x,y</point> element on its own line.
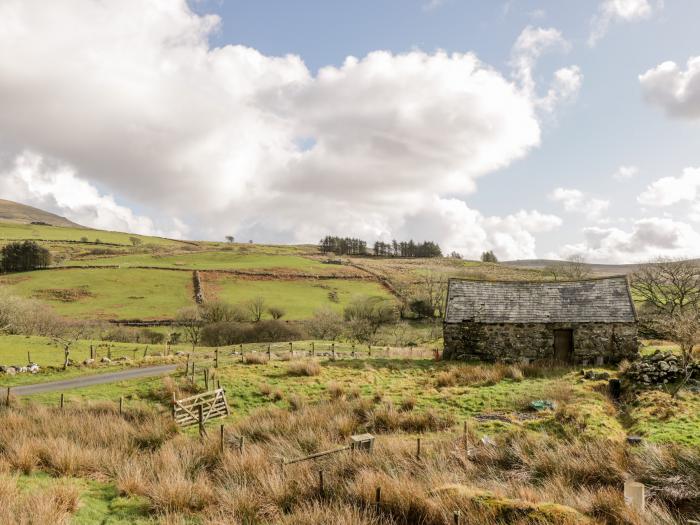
<point>31,368</point>
<point>659,368</point>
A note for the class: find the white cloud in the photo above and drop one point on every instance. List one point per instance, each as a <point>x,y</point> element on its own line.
<point>671,190</point>
<point>626,173</point>
<point>531,44</point>
<point>613,11</point>
<point>648,239</point>
<point>134,99</point>
<point>676,91</point>
<point>432,4</point>
<point>55,187</point>
<point>576,201</point>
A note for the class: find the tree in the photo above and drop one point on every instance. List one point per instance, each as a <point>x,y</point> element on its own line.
<point>190,319</point>
<point>135,241</point>
<point>365,315</point>
<point>23,256</point>
<point>276,312</point>
<point>68,336</point>
<point>326,324</point>
<point>432,290</point>
<point>256,308</point>
<point>489,257</point>
<point>219,311</point>
<point>230,239</point>
<point>670,294</point>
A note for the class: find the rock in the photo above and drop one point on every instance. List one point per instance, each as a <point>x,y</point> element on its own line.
<point>105,360</point>
<point>663,365</point>
<point>33,368</point>
<point>634,440</point>
<point>11,370</point>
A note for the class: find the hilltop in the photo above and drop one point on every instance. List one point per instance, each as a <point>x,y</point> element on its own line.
<point>11,211</point>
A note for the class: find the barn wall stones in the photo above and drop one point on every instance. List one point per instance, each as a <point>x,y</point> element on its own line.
<point>515,342</point>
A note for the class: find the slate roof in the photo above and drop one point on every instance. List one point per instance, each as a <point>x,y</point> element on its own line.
<point>604,300</point>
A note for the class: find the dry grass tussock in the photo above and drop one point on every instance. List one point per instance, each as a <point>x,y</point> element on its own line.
<point>255,358</point>
<point>525,478</point>
<point>53,505</point>
<point>304,368</point>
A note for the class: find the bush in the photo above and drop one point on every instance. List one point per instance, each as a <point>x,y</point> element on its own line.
<point>326,324</point>
<point>232,333</point>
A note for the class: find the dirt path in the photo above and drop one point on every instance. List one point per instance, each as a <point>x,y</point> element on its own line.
<point>97,379</point>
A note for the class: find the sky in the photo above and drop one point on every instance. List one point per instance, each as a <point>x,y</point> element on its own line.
<point>536,129</point>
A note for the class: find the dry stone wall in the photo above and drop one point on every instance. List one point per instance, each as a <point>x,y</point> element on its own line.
<point>516,342</point>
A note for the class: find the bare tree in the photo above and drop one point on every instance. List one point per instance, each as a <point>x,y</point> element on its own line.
<point>365,315</point>
<point>256,308</point>
<point>670,294</point>
<point>574,268</point>
<point>326,324</point>
<point>190,319</point>
<point>70,334</point>
<point>432,288</point>
<point>230,238</point>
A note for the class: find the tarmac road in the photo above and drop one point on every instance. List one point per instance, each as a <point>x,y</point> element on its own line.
<point>97,379</point>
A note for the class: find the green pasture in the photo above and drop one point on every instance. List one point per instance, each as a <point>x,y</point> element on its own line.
<point>14,231</point>
<point>106,293</point>
<point>224,260</point>
<point>299,298</point>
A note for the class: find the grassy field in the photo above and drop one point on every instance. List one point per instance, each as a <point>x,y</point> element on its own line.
<point>299,298</point>
<point>224,260</point>
<point>106,293</point>
<point>16,231</point>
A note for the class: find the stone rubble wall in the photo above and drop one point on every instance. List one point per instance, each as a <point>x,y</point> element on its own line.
<point>519,342</point>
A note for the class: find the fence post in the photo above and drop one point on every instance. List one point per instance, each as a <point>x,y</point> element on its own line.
<point>62,400</point>
<point>174,404</point>
<point>221,437</point>
<point>455,517</point>
<point>205,373</point>
<point>369,350</point>
<point>378,498</point>
<point>92,352</point>
<point>134,355</point>
<point>418,448</point>
<point>29,357</point>
<point>200,417</point>
<point>269,353</point>
<point>216,358</point>
<point>321,490</point>
<point>240,444</point>
<point>109,352</point>
<point>634,495</point>
<point>313,349</point>
<point>145,351</point>
<point>291,350</point>
<point>7,399</point>
<point>353,350</point>
<point>121,404</point>
<point>333,350</point>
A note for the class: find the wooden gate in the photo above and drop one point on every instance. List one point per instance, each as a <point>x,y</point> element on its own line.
<point>198,409</point>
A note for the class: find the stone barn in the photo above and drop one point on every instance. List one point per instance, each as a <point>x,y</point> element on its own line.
<point>586,322</point>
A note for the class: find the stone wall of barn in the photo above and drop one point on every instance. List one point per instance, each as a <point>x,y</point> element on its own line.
<point>518,342</point>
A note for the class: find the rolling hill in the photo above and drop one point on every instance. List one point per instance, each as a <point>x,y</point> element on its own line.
<point>21,213</point>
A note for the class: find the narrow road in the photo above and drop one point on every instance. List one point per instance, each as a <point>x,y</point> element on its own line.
<point>97,379</point>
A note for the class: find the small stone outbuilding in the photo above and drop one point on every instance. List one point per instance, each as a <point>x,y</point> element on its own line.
<point>586,322</point>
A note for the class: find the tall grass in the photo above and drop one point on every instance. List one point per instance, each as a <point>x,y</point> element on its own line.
<point>526,478</point>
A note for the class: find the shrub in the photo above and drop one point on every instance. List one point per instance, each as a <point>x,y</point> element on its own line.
<point>255,359</point>
<point>276,312</point>
<point>232,333</point>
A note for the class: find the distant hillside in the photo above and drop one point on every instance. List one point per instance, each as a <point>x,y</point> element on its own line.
<point>15,212</point>
<point>598,269</point>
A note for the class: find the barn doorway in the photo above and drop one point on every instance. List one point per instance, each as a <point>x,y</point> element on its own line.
<point>564,346</point>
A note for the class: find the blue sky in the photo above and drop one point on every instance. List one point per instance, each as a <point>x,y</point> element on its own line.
<point>287,139</point>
